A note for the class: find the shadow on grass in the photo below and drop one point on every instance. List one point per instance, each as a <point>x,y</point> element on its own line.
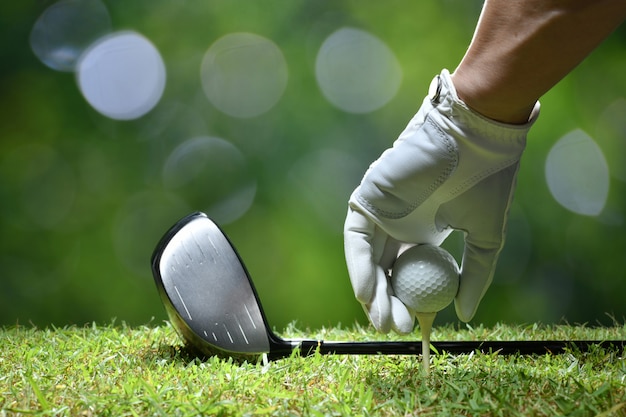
<point>187,355</point>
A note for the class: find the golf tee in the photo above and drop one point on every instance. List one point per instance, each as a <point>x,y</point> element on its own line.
<point>425,321</point>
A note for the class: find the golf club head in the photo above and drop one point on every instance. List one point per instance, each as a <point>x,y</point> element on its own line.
<point>208,294</point>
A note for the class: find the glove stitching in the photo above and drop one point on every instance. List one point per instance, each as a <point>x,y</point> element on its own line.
<point>475,179</point>
<point>445,174</point>
<point>452,151</point>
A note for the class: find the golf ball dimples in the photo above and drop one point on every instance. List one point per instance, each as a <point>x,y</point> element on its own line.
<point>425,278</point>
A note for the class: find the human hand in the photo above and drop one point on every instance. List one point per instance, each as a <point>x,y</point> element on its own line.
<point>451,169</point>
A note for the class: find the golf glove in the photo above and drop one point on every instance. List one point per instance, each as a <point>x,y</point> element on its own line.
<point>451,169</point>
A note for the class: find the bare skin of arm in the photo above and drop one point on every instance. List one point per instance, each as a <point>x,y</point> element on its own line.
<point>522,48</point>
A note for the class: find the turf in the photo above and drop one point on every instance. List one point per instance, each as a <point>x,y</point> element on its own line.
<point>118,370</point>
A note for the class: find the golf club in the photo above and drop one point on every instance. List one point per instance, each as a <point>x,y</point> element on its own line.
<point>212,303</point>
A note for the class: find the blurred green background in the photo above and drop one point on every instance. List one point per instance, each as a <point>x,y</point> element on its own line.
<point>270,113</point>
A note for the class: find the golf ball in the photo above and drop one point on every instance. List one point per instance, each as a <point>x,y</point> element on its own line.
<point>425,278</point>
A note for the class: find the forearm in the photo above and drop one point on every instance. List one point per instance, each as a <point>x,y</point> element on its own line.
<point>522,48</point>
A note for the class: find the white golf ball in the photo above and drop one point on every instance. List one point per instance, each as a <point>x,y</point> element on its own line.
<point>425,278</point>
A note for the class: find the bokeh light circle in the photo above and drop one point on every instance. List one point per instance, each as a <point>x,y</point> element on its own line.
<point>212,175</point>
<point>244,74</point>
<point>577,174</point>
<point>122,75</point>
<point>65,29</point>
<point>356,71</point>
<point>611,136</point>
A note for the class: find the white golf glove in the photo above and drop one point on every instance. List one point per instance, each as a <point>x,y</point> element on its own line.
<point>451,169</point>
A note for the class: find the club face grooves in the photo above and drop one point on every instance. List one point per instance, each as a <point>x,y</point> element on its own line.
<point>212,303</point>
<point>207,292</point>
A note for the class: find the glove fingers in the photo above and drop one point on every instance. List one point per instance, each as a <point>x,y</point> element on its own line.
<point>402,320</point>
<point>476,276</point>
<point>484,221</point>
<point>370,254</point>
<point>358,240</point>
<point>379,309</point>
<point>387,312</point>
<point>390,252</point>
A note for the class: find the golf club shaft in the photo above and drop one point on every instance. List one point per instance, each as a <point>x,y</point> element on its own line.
<point>524,347</point>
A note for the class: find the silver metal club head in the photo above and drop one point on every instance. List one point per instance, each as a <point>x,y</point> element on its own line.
<point>207,292</point>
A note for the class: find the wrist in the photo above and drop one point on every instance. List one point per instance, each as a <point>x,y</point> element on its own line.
<point>486,99</point>
<point>459,119</point>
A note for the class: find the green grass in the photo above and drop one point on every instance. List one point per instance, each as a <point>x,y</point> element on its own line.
<point>117,370</point>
